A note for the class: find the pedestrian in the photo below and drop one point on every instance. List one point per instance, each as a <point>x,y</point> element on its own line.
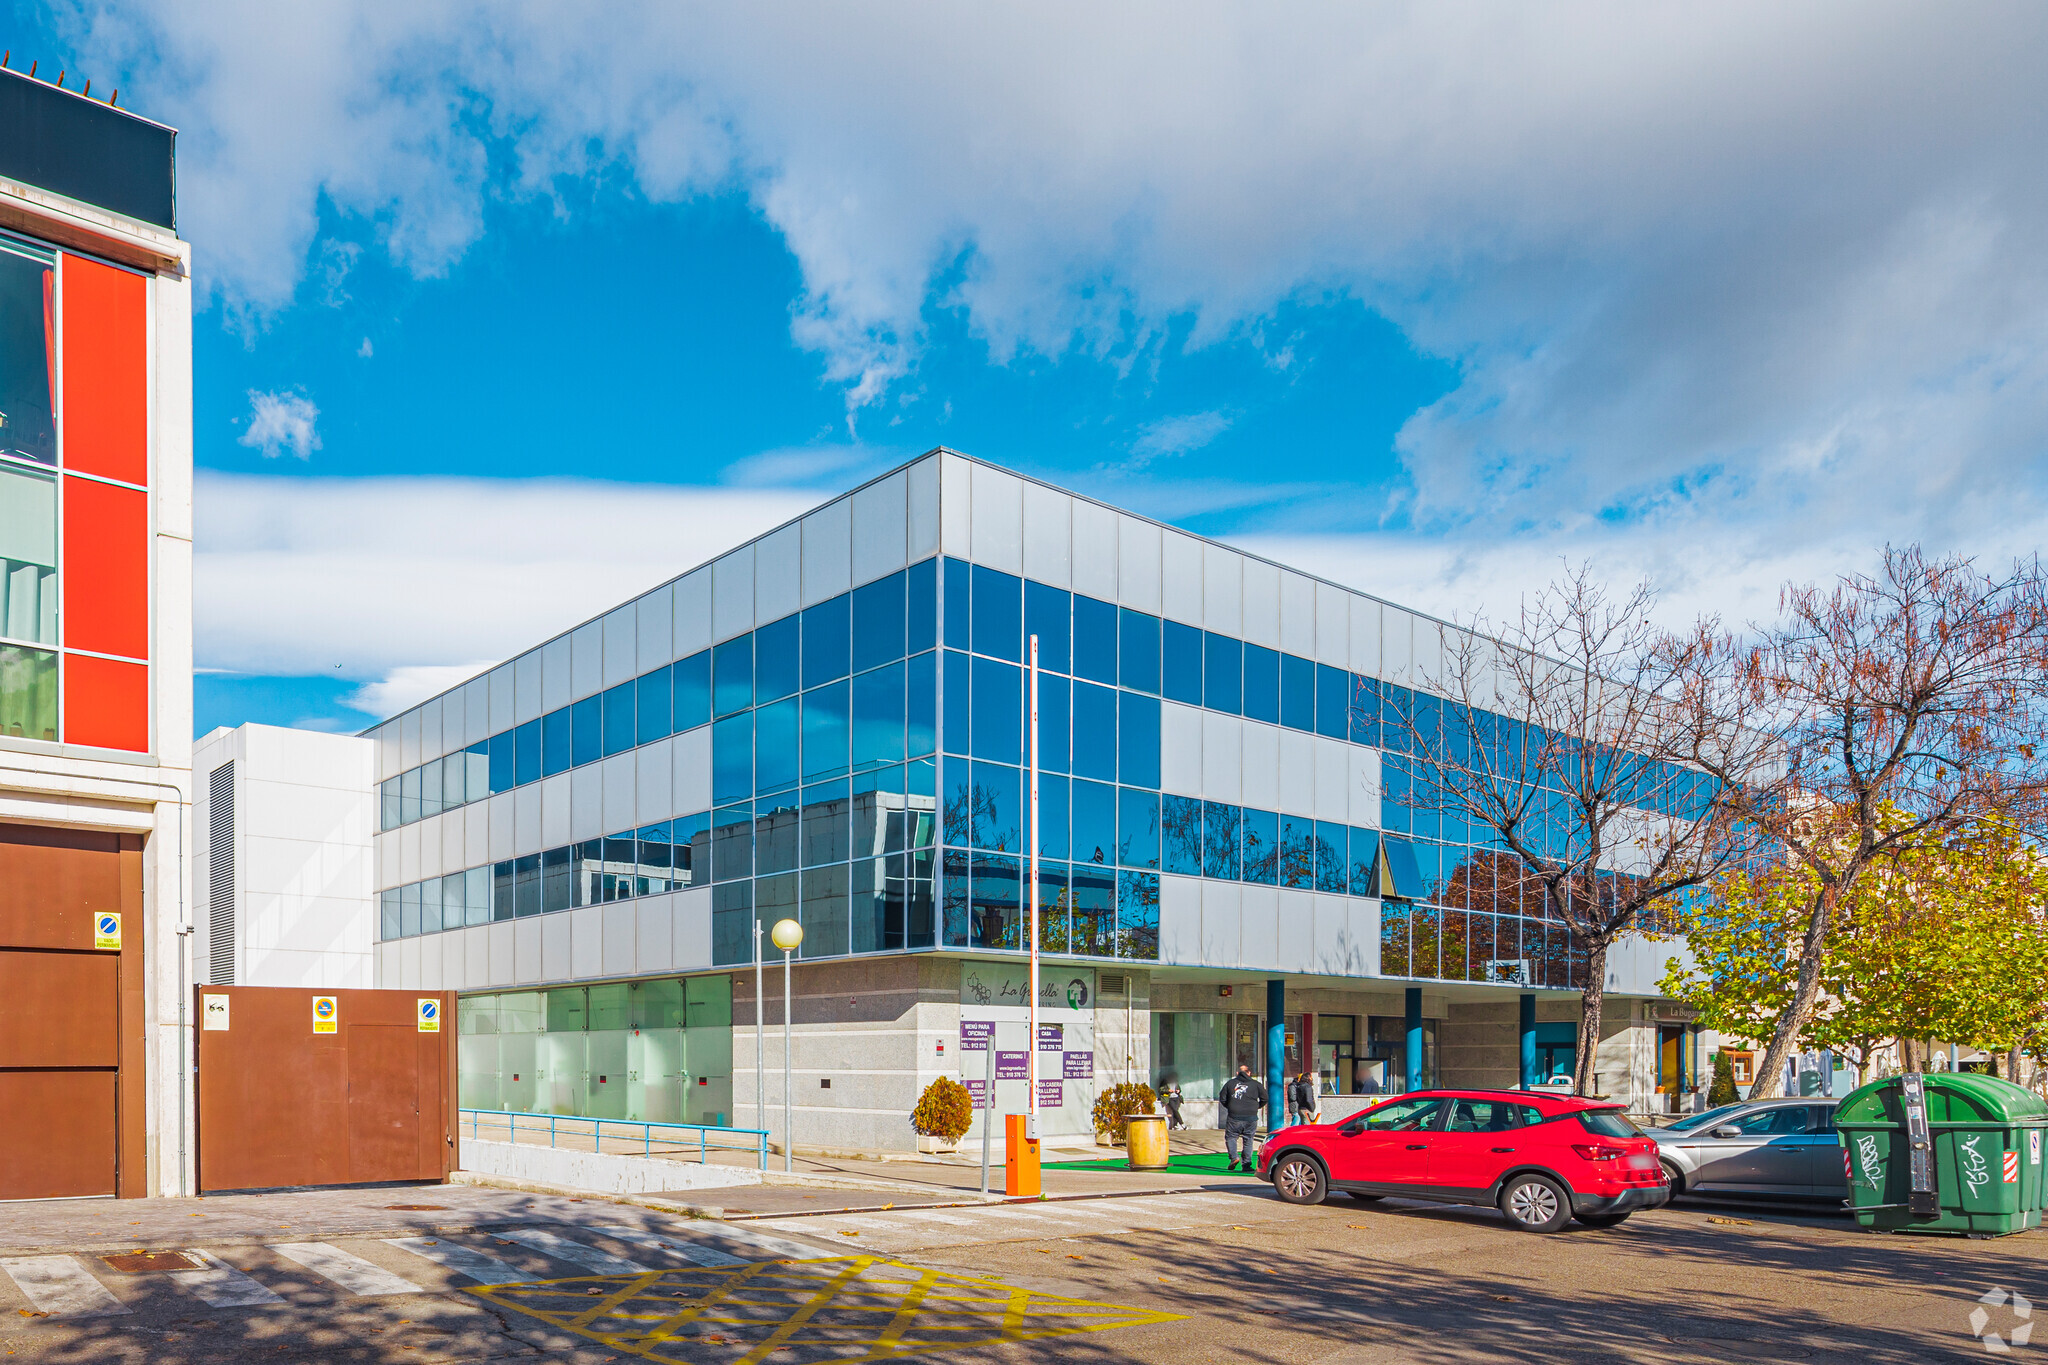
<point>1172,1098</point>
<point>1304,1099</point>
<point>1241,1099</point>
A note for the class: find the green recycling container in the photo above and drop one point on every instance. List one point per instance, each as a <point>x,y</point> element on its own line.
<point>1986,1158</point>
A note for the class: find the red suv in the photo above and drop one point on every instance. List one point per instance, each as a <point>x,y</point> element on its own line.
<point>1540,1159</point>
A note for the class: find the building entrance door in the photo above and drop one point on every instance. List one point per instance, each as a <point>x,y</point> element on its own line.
<point>1245,1037</point>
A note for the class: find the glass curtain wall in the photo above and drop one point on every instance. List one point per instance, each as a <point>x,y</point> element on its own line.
<point>28,496</point>
<point>658,1051</point>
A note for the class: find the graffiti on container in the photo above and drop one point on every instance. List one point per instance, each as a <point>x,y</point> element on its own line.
<point>1976,1171</point>
<point>1867,1157</point>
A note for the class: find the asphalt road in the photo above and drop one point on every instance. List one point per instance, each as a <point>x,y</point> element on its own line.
<point>1228,1274</point>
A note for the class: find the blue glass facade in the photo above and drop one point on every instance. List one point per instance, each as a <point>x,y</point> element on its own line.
<point>867,777</point>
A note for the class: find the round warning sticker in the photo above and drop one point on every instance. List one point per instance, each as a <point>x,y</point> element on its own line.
<point>430,1016</point>
<point>106,930</point>
<point>324,1012</point>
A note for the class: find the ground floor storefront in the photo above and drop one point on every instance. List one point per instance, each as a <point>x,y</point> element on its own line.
<point>865,1037</point>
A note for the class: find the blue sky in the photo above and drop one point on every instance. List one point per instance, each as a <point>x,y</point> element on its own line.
<point>503,319</point>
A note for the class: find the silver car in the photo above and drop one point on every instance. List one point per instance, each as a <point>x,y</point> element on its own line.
<point>1773,1148</point>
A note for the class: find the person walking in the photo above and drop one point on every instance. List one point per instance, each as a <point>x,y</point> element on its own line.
<point>1173,1103</point>
<point>1241,1099</point>
<point>1304,1099</point>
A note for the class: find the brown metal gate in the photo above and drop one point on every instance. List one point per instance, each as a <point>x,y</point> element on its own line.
<point>291,1094</point>
<point>71,1043</point>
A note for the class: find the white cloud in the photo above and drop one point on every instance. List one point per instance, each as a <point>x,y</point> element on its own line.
<point>1176,436</point>
<point>280,422</point>
<point>404,688</point>
<point>1787,264</point>
<point>403,580</point>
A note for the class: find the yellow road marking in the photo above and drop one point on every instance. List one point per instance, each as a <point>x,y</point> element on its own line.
<point>842,1309</point>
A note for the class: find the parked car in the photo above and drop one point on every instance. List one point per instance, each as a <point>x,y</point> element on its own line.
<point>1782,1149</point>
<point>1541,1159</point>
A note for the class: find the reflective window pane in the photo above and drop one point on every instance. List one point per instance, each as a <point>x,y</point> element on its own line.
<point>1055,721</point>
<point>390,806</point>
<point>1262,684</point>
<point>920,928</point>
<point>921,609</point>
<point>953,897</point>
<point>878,717</point>
<point>430,789</point>
<point>776,730</point>
<point>827,813</point>
<point>1054,910</point>
<point>1333,702</point>
<point>390,923</point>
<point>957,695</point>
<point>997,902</point>
<point>1138,740</point>
<point>825,912</point>
<point>732,842</point>
<point>526,753</point>
<point>1221,841</point>
<point>430,906</point>
<point>452,780</point>
<point>1333,866</point>
<point>28,365</point>
<point>878,622</point>
<point>1137,916</point>
<point>998,699</point>
<point>586,727</point>
<point>828,643</point>
<point>732,924</point>
<point>1180,835</point>
<point>998,614</point>
<point>825,731</point>
<point>732,757</point>
<point>921,704</point>
<point>557,881</point>
<point>502,904</point>
<point>958,599</point>
<point>732,675</point>
<point>693,691</point>
<point>476,895</point>
<point>1137,827</point>
<point>879,815</point>
<point>996,807</point>
<point>958,802</point>
<point>775,899</point>
<point>501,762</point>
<point>778,657</point>
<point>526,885</point>
<point>1094,732</point>
<point>1297,693</point>
<point>1261,846</point>
<point>1138,651</point>
<point>1092,927</point>
<point>1297,852</point>
<point>1365,710</point>
<point>555,751</point>
<point>652,705</point>
<point>409,910</point>
<point>1094,822</point>
<point>1048,615</point>
<point>477,762</point>
<point>1054,798</point>
<point>1222,674</point>
<point>618,719</point>
<point>1094,639</point>
<point>1180,658</point>
<point>874,916</point>
<point>692,841</point>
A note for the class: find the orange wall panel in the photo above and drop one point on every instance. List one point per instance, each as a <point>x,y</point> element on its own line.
<point>106,371</point>
<point>106,703</point>
<point>105,571</point>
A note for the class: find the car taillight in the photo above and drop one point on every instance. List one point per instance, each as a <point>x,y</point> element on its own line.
<point>1596,1152</point>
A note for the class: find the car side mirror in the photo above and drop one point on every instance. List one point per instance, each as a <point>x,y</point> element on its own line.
<point>1353,1128</point>
<point>1726,1130</point>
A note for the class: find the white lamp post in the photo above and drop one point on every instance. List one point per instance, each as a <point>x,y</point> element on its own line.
<point>1031,891</point>
<point>787,935</point>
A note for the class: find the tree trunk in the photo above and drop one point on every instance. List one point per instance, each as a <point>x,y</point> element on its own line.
<point>1769,1082</point>
<point>2012,1062</point>
<point>1591,997</point>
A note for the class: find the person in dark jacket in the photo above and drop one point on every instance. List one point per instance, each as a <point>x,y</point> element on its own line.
<point>1304,1098</point>
<point>1241,1099</point>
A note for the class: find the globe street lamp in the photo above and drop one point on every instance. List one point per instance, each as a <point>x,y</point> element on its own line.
<point>787,934</point>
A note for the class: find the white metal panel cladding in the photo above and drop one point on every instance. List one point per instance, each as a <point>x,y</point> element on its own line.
<point>880,528</point>
<point>1222,590</point>
<point>586,659</point>
<point>529,692</point>
<point>1180,578</point>
<point>828,551</point>
<point>996,519</point>
<point>732,594</point>
<point>430,730</point>
<point>1048,535</point>
<point>1298,615</point>
<point>220,874</point>
<point>693,612</point>
<point>955,505</point>
<point>778,574</point>
<point>557,681</point>
<point>1180,749</point>
<point>526,836</point>
<point>621,644</point>
<point>1261,604</point>
<point>1094,550</point>
<point>476,710</point>
<point>556,826</point>
<point>500,682</point>
<point>923,478</point>
<point>409,738</point>
<point>1333,626</point>
<point>1137,555</point>
<point>1365,636</point>
<point>656,614</point>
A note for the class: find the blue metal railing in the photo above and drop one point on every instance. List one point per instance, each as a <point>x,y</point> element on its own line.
<point>580,1125</point>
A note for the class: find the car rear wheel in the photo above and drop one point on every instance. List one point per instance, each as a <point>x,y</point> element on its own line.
<point>1671,1174</point>
<point>1603,1220</point>
<point>1298,1180</point>
<point>1535,1203</point>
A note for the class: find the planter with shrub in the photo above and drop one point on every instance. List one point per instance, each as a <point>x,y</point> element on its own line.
<point>1113,1110</point>
<point>943,1115</point>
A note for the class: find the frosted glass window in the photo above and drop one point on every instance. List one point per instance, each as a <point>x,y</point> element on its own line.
<point>28,552</point>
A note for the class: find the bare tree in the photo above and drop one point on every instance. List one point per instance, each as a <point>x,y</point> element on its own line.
<point>1907,704</point>
<point>1552,737</point>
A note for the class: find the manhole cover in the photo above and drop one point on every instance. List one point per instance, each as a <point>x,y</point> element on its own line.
<point>136,1262</point>
<point>417,1208</point>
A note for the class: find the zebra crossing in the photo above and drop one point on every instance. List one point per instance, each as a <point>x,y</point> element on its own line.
<point>79,1285</point>
<point>903,1230</point>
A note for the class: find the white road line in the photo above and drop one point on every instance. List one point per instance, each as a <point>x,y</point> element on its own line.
<point>479,1266</point>
<point>771,1248</point>
<point>917,1216</point>
<point>345,1268</point>
<point>61,1287</point>
<point>220,1284</point>
<point>695,1252</point>
<point>575,1253</point>
<point>869,1222</point>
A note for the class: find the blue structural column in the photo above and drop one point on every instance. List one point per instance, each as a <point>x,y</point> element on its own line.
<point>1414,1038</point>
<point>1528,1041</point>
<point>1276,1052</point>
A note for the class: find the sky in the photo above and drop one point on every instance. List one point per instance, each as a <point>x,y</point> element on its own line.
<point>505,316</point>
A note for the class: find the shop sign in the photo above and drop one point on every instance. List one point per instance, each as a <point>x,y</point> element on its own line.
<point>1050,1037</point>
<point>1080,1066</point>
<point>975,1034</point>
<point>1049,1095</point>
<point>1010,1066</point>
